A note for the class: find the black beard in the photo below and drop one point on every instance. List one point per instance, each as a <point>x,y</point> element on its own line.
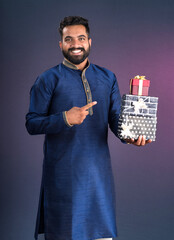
<point>76,59</point>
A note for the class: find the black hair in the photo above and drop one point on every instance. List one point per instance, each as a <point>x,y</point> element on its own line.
<point>73,20</point>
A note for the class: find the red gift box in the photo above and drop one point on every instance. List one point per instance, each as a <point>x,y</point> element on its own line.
<point>139,86</point>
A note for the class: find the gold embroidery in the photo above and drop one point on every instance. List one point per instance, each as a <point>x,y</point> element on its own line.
<point>84,80</point>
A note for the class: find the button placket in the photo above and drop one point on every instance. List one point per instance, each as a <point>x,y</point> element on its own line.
<point>85,83</point>
<point>87,91</point>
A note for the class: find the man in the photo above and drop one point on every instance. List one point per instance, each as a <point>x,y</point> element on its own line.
<point>72,104</point>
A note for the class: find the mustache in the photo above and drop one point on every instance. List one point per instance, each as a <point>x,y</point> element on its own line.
<point>72,49</point>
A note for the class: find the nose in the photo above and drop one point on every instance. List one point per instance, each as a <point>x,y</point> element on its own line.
<point>74,42</point>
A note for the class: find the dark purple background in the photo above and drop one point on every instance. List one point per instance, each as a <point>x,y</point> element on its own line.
<point>130,37</point>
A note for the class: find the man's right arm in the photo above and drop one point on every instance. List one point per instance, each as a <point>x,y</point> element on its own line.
<point>38,121</point>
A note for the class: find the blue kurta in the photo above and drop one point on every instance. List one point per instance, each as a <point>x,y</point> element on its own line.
<point>77,200</point>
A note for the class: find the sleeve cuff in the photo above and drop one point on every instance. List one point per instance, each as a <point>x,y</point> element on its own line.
<point>66,120</point>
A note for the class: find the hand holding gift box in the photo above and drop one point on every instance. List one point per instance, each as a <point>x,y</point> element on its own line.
<point>137,121</point>
<point>141,141</point>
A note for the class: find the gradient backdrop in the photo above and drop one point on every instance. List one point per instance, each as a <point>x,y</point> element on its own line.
<point>130,37</point>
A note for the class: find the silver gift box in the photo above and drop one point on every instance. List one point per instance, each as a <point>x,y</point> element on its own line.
<point>138,117</point>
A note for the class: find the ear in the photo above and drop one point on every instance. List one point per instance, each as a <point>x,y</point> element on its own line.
<point>60,44</point>
<point>90,41</point>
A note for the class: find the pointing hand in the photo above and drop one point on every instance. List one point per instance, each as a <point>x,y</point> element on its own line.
<point>77,115</point>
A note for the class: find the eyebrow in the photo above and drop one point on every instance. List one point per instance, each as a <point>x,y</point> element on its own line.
<point>82,36</point>
<point>77,36</point>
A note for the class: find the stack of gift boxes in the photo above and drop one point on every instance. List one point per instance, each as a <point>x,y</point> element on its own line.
<point>138,111</point>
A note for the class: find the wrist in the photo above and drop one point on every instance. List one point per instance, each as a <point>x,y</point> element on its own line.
<point>66,119</point>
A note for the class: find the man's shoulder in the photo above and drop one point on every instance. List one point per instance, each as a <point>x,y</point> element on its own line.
<point>103,71</point>
<point>50,71</point>
<point>49,77</point>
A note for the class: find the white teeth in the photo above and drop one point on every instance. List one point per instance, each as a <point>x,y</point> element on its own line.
<point>76,51</point>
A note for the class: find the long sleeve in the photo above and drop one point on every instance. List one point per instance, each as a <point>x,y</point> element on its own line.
<point>115,108</point>
<point>38,119</point>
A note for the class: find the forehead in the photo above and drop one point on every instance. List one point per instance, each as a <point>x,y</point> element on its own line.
<point>74,31</point>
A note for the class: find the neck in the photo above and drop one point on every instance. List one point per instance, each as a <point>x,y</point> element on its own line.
<point>82,65</point>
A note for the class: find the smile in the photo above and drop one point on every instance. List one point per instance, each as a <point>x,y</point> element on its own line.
<point>76,51</point>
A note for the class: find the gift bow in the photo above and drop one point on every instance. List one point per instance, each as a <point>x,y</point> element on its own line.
<point>140,104</point>
<point>125,132</point>
<point>140,77</point>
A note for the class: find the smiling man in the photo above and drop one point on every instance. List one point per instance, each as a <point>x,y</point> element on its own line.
<point>72,104</point>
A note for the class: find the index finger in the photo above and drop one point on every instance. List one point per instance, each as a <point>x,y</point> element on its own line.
<point>89,105</point>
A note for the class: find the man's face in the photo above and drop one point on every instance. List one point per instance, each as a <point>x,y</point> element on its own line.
<point>75,44</point>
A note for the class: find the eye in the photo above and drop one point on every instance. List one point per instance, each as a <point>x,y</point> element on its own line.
<point>68,40</point>
<point>82,39</point>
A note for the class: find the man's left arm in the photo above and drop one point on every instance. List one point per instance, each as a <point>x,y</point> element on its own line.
<point>115,107</point>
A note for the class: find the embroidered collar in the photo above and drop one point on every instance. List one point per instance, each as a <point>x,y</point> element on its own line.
<point>72,66</point>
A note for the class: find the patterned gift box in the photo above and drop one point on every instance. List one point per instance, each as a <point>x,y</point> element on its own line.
<point>139,86</point>
<point>138,117</point>
<point>139,105</point>
<point>134,126</point>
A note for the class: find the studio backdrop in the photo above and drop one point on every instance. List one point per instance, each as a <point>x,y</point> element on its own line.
<point>129,37</point>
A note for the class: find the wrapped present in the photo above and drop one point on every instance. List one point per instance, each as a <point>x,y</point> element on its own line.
<point>139,105</point>
<point>138,117</point>
<point>138,111</point>
<point>133,126</point>
<point>139,86</point>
